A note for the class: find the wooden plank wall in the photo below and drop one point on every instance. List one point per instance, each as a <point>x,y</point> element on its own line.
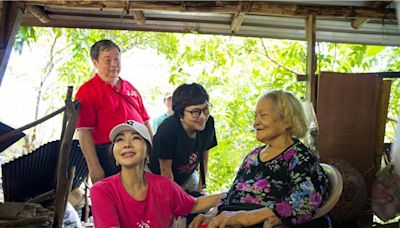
<point>351,113</point>
<point>347,112</point>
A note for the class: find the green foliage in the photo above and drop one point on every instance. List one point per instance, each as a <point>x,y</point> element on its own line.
<point>235,71</point>
<point>392,57</point>
<point>25,35</point>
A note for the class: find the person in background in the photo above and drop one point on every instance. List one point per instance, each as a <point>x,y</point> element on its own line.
<point>134,197</point>
<point>185,138</point>
<point>168,103</point>
<point>281,181</point>
<point>105,100</point>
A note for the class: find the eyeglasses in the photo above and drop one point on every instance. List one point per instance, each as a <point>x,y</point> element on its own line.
<point>197,112</point>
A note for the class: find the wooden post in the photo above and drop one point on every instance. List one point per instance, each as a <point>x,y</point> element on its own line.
<point>381,117</point>
<point>64,176</point>
<point>10,19</point>
<point>311,85</point>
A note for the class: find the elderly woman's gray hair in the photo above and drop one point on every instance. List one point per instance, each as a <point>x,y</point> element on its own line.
<point>290,110</point>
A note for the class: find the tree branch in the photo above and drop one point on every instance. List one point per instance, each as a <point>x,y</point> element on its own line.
<point>276,62</point>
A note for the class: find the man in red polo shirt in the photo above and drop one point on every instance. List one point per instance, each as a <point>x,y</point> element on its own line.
<point>105,101</point>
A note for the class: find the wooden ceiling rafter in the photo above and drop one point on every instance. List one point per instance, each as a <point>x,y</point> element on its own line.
<point>39,12</point>
<point>257,8</point>
<point>357,23</point>
<point>237,20</point>
<point>138,15</point>
<point>238,17</point>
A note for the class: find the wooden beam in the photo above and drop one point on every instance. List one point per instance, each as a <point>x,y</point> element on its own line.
<point>303,78</point>
<point>357,23</point>
<point>43,197</point>
<point>9,135</point>
<point>259,8</point>
<point>40,13</point>
<point>388,74</point>
<point>311,85</point>
<point>10,19</point>
<point>237,20</point>
<point>139,17</point>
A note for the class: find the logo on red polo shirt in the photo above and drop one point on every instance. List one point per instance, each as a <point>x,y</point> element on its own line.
<point>131,93</point>
<point>143,224</point>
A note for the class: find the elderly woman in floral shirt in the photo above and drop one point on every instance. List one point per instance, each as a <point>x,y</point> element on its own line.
<point>282,181</point>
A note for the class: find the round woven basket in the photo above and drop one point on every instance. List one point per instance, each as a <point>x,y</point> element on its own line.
<point>354,195</point>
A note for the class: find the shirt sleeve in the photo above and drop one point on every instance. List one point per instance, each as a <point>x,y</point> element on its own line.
<point>164,142</point>
<point>224,200</point>
<point>183,202</point>
<point>306,192</point>
<point>103,206</point>
<point>87,107</point>
<point>212,142</point>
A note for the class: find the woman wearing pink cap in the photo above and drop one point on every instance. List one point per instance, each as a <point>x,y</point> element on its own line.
<point>133,197</point>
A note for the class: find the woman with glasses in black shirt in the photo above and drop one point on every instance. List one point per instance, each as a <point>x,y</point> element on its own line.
<point>184,139</point>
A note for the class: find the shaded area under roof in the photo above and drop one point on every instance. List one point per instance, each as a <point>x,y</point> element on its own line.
<point>278,19</point>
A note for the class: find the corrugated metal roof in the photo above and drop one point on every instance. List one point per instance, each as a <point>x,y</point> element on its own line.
<point>34,174</point>
<point>213,18</point>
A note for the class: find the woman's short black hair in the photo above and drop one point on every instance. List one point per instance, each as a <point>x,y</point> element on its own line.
<point>186,95</point>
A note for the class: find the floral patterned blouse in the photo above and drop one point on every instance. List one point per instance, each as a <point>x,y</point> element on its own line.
<point>292,184</point>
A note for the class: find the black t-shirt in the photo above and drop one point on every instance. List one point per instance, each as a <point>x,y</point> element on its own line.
<point>172,142</point>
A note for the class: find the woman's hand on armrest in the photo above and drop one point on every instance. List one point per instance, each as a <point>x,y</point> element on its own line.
<point>198,220</point>
<point>242,218</point>
<point>203,218</point>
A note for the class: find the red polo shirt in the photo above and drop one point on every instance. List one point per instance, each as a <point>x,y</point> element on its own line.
<point>101,108</point>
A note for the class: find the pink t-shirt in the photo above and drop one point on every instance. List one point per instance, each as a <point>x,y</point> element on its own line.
<point>103,106</point>
<point>113,206</point>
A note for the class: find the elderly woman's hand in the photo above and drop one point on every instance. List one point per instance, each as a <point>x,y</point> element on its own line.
<point>234,219</point>
<point>200,219</point>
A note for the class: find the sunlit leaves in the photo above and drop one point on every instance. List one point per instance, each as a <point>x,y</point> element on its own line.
<point>25,35</point>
